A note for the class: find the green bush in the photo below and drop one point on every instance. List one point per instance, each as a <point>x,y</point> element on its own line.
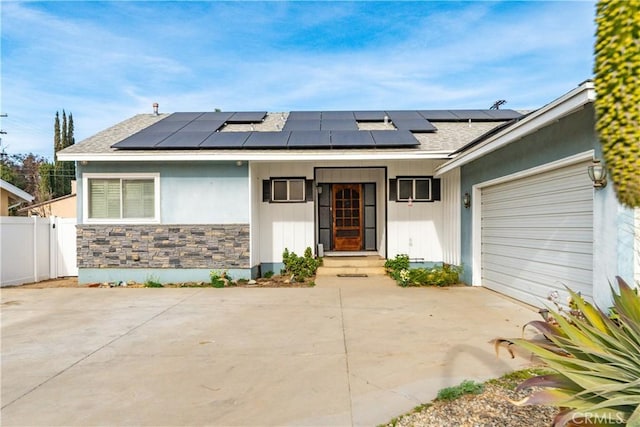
<point>466,387</point>
<point>399,270</point>
<point>300,267</point>
<point>595,359</point>
<point>153,282</point>
<point>268,274</point>
<point>217,279</point>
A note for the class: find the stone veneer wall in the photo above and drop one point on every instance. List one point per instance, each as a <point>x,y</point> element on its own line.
<point>218,246</point>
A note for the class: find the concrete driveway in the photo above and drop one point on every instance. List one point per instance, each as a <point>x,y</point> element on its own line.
<point>348,352</point>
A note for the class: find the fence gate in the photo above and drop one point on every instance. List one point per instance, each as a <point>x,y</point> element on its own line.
<point>63,255</point>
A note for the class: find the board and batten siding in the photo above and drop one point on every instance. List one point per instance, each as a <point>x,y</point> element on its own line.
<point>537,235</point>
<point>281,225</point>
<point>451,205</point>
<point>417,230</point>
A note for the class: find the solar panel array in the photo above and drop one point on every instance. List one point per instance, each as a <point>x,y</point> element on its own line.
<point>270,140</point>
<point>303,129</point>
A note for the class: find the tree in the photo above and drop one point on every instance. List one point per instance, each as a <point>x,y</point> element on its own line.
<point>58,178</point>
<point>617,82</point>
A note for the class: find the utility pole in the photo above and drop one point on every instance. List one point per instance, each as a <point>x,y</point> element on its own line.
<point>3,154</point>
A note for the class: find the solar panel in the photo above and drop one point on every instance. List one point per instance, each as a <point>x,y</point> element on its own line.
<point>303,138</point>
<point>267,140</point>
<point>439,115</point>
<point>216,115</point>
<point>142,140</point>
<point>184,140</point>
<point>225,140</point>
<point>351,138</point>
<point>369,116</point>
<point>503,114</point>
<point>166,126</point>
<point>202,126</point>
<point>339,125</point>
<point>247,117</point>
<point>185,117</point>
<point>415,125</point>
<point>305,115</point>
<point>394,138</point>
<point>302,125</point>
<point>338,115</point>
<point>404,115</point>
<point>480,115</point>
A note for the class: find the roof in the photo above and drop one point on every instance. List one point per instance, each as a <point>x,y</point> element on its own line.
<point>269,136</point>
<point>517,129</point>
<point>15,191</point>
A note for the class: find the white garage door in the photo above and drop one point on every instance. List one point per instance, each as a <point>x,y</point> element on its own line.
<point>537,235</point>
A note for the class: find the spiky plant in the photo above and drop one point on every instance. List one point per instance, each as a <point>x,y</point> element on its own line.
<point>617,83</point>
<point>596,362</point>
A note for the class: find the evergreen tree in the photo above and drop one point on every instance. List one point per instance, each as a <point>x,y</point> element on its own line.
<point>58,178</point>
<point>617,82</point>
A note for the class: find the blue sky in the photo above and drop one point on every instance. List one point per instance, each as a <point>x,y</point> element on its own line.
<point>106,61</point>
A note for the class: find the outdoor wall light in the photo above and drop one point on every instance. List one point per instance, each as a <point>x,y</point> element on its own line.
<point>466,200</point>
<point>598,174</point>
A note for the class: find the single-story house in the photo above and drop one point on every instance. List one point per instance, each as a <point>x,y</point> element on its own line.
<point>61,207</point>
<point>504,194</point>
<point>12,197</point>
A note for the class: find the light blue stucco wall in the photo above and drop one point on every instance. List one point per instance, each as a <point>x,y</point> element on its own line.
<point>190,192</point>
<point>573,134</point>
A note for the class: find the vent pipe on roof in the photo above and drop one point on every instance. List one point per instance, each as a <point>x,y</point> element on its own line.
<point>155,108</point>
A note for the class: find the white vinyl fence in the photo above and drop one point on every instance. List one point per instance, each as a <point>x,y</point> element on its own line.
<point>34,249</point>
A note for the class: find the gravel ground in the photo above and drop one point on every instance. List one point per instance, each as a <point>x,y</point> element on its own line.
<point>491,408</point>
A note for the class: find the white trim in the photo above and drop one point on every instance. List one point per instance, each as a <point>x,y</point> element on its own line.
<point>476,204</point>
<point>85,198</point>
<point>253,156</point>
<point>563,106</point>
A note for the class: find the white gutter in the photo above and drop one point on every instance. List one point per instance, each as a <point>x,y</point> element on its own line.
<point>199,156</point>
<point>563,106</point>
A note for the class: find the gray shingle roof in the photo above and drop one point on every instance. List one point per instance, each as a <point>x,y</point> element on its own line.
<point>449,137</point>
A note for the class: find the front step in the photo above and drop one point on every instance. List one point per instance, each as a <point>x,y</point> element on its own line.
<point>347,265</point>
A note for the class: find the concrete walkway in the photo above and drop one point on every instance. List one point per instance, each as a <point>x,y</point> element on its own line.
<point>350,351</point>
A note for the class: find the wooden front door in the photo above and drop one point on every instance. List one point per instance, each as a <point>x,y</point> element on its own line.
<point>347,217</point>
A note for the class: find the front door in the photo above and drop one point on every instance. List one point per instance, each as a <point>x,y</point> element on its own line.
<point>347,217</point>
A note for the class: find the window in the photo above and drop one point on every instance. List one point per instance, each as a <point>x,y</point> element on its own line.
<point>416,189</point>
<point>131,198</point>
<point>288,190</point>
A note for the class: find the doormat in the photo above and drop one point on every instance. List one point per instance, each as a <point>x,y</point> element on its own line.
<point>352,275</point>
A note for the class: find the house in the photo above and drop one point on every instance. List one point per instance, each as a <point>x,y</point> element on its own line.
<point>61,207</point>
<point>11,197</point>
<point>177,195</point>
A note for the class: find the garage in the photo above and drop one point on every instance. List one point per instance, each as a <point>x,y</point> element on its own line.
<point>537,234</point>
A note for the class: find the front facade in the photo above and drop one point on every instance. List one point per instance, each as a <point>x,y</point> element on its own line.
<point>176,196</point>
<point>337,182</point>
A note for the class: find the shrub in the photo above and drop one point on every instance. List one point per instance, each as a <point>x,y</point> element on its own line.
<point>398,269</point>
<point>268,274</point>
<point>300,267</point>
<point>466,387</point>
<point>153,282</point>
<point>595,359</point>
<point>217,278</point>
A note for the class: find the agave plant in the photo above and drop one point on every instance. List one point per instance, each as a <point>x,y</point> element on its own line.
<point>595,360</point>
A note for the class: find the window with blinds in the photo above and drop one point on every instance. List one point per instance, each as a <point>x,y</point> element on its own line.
<point>121,198</point>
